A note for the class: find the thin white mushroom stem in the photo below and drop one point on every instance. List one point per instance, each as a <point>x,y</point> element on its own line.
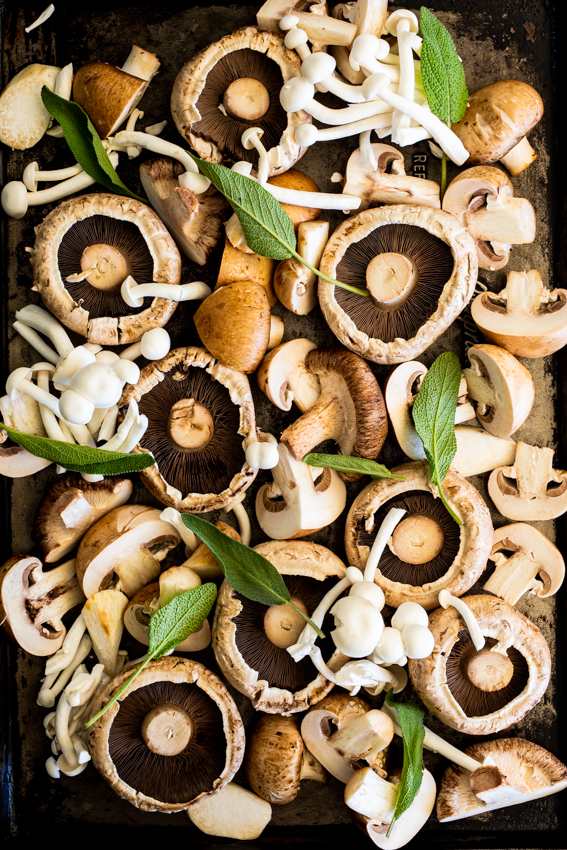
<point>19,383</point>
<point>368,156</point>
<point>45,15</point>
<point>63,87</point>
<point>239,511</point>
<point>32,175</point>
<point>156,129</point>
<point>133,293</point>
<point>251,139</point>
<point>304,645</point>
<point>192,179</point>
<point>297,39</point>
<point>133,150</point>
<point>96,421</point>
<point>123,430</point>
<point>52,768</point>
<point>42,321</point>
<point>412,135</point>
<point>81,434</point>
<point>477,637</point>
<point>66,431</point>
<point>82,753</point>
<point>174,518</point>
<point>407,76</point>
<point>16,199</point>
<point>49,419</point>
<point>391,520</point>
<point>62,720</point>
<point>375,122</point>
<point>36,342</point>
<point>135,434</point>
<point>86,694</point>
<point>108,427</point>
<point>64,656</point>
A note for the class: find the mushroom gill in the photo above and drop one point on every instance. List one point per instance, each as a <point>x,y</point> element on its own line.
<point>424,264</point>
<point>169,778</point>
<point>225,130</point>
<point>112,249</point>
<point>475,701</point>
<point>417,503</point>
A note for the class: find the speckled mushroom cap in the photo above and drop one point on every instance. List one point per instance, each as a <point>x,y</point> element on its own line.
<point>444,257</point>
<point>266,674</point>
<point>210,759</point>
<point>465,550</point>
<point>122,222</point>
<point>248,52</point>
<point>440,679</point>
<point>203,477</point>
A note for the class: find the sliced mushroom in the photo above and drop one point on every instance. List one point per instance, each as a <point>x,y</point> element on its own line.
<point>32,603</point>
<point>107,94</point>
<point>350,409</point>
<point>16,462</point>
<point>144,604</point>
<point>200,423</point>
<point>239,265</point>
<point>478,451</point>
<point>232,812</point>
<point>213,76</point>
<point>110,237</point>
<point>103,615</point>
<point>301,500</point>
<point>502,387</point>
<point>482,692</point>
<point>420,268</point>
<point>22,414</point>
<point>482,199</point>
<point>284,377</point>
<point>277,760</point>
<point>315,21</point>
<point>531,489</point>
<point>388,182</point>
<point>123,550</point>
<point>23,117</point>
<point>525,317</point>
<point>294,283</point>
<point>526,562</point>
<point>70,507</point>
<point>195,222</point>
<point>173,738</point>
<point>454,556</point>
<point>258,665</point>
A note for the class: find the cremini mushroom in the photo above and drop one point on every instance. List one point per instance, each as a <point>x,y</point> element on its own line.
<point>420,267</point>
<point>502,387</point>
<point>200,423</point>
<point>482,692</point>
<point>231,812</point>
<point>246,266</point>
<point>526,562</point>
<point>496,122</point>
<point>387,182</point>
<point>173,738</point>
<point>530,489</point>
<point>482,199</point>
<point>525,317</point>
<point>106,237</point>
<point>445,555</point>
<point>103,614</point>
<point>284,377</point>
<point>296,285</point>
<point>250,639</point>
<point>23,117</point>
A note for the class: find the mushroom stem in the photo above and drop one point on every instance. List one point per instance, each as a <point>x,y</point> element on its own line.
<point>241,515</point>
<point>38,318</point>
<point>518,159</point>
<point>192,179</point>
<point>307,638</point>
<point>45,15</point>
<point>62,658</point>
<point>16,199</point>
<point>31,176</point>
<point>36,341</point>
<point>18,382</point>
<point>108,426</point>
<point>133,294</point>
<point>391,520</point>
<point>407,76</point>
<point>251,139</point>
<point>62,718</point>
<point>477,637</point>
<point>374,122</point>
<point>53,684</point>
<point>133,150</point>
<point>503,219</point>
<point>50,423</point>
<point>123,429</point>
<point>174,517</point>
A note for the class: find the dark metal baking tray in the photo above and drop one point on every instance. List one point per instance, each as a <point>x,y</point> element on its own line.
<point>498,39</point>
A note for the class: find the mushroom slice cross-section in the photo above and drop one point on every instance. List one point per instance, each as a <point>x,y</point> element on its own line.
<point>234,84</point>
<point>174,737</point>
<point>284,377</point>
<point>531,489</point>
<point>250,639</point>
<point>526,561</point>
<point>482,691</point>
<point>97,241</point>
<point>420,268</point>
<point>200,422</point>
<point>446,555</point>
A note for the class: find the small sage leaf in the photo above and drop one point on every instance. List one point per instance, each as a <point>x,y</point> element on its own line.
<point>442,70</point>
<point>344,463</point>
<point>413,733</point>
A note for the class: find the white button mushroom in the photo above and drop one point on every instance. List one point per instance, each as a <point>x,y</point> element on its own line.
<point>418,641</point>
<point>359,626</point>
<point>154,345</point>
<point>409,613</point>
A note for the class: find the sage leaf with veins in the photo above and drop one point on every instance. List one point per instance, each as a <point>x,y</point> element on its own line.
<point>413,733</point>
<point>345,463</point>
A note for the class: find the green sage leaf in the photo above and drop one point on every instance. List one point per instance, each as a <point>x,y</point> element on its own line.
<point>247,571</point>
<point>81,458</point>
<point>85,142</point>
<point>344,463</point>
<point>441,70</point>
<point>434,417</point>
<point>413,733</point>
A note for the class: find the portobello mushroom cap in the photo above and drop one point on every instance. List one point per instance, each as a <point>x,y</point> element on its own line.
<point>509,688</point>
<point>256,665</point>
<point>108,237</point>
<point>429,552</point>
<point>200,421</point>
<point>174,737</point>
<point>211,103</point>
<point>420,266</point>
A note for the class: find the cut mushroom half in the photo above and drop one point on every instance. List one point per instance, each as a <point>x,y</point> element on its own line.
<point>231,812</point>
<point>526,562</point>
<point>296,285</point>
<point>420,268</point>
<point>284,377</point>
<point>200,422</point>
<point>482,692</point>
<point>250,639</point>
<point>451,557</point>
<point>387,182</point>
<point>531,489</point>
<point>106,238</point>
<point>22,414</point>
<point>23,117</point>
<point>103,614</point>
<point>173,738</point>
<point>107,94</point>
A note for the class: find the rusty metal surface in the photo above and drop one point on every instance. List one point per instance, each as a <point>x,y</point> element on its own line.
<point>496,41</point>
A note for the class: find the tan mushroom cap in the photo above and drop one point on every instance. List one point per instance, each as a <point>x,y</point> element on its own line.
<point>291,558</point>
<point>208,377</point>
<point>499,622</point>
<point>177,680</point>
<point>530,769</point>
<point>456,291</point>
<point>191,82</point>
<point>467,554</point>
<point>107,94</point>
<point>498,116</point>
<point>525,560</point>
<point>45,260</point>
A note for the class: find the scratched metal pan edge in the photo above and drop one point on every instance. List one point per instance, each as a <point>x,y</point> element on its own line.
<point>31,805</point>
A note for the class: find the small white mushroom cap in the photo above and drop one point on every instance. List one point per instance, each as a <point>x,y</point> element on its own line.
<point>14,199</point>
<point>67,366</point>
<point>127,371</point>
<point>289,22</point>
<point>155,344</point>
<point>374,84</point>
<point>369,590</point>
<point>317,67</point>
<point>21,374</point>
<point>399,15</point>
<point>294,95</point>
<point>389,648</point>
<point>306,135</point>
<point>75,408</point>
<point>52,768</point>
<point>262,455</point>
<point>409,613</point>
<point>359,626</point>
<point>295,38</point>
<point>98,383</point>
<point>247,136</point>
<point>418,641</point>
<point>105,356</point>
<point>367,46</point>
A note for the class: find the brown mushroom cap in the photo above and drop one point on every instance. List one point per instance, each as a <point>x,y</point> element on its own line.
<point>256,667</point>
<point>498,116</point>
<point>465,548</point>
<point>107,94</point>
<point>442,682</point>
<point>529,767</point>
<point>200,86</point>
<point>119,236</point>
<point>168,783</point>
<point>274,753</point>
<point>440,260</point>
<point>211,471</point>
